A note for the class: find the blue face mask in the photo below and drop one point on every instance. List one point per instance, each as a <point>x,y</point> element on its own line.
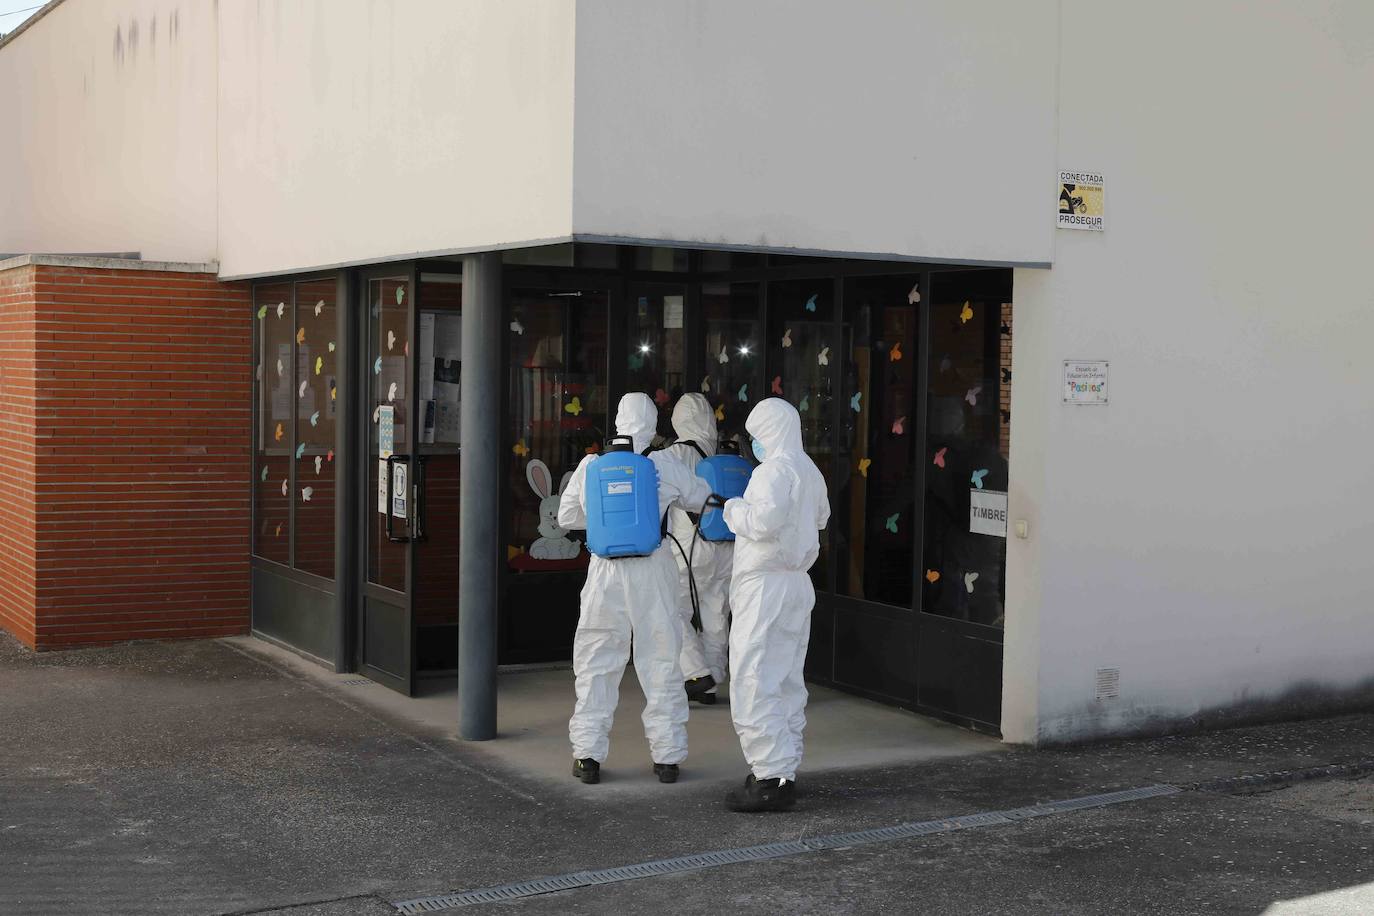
<point>759,450</point>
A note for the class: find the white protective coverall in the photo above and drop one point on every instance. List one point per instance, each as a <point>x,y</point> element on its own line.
<point>705,652</point>
<point>631,597</point>
<point>776,525</point>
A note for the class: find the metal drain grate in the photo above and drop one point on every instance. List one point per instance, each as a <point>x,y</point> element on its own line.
<point>774,850</point>
<point>356,682</point>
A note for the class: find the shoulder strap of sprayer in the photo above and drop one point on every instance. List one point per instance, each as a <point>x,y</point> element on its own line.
<point>662,522</point>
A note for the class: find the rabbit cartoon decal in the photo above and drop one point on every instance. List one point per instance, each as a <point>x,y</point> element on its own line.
<point>553,542</point>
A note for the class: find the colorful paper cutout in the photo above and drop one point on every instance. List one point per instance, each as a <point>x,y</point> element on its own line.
<point>300,450</point>
<point>706,385</point>
<point>333,390</point>
<point>264,473</point>
<point>945,364</point>
<point>300,335</point>
<point>329,456</point>
<point>281,367</point>
<point>377,414</point>
<point>636,362</point>
<point>897,426</point>
<point>823,357</point>
<point>660,397</point>
<point>391,392</point>
<point>331,346</point>
<point>966,314</point>
<point>281,309</point>
<point>377,367</point>
<point>520,449</point>
<point>972,395</point>
<point>977,477</point>
<point>284,487</point>
<point>914,296</point>
<point>891,523</point>
<point>319,463</point>
<point>400,294</point>
<point>279,432</point>
<point>940,457</point>
<point>300,389</point>
<point>969,579</point>
<point>896,352</point>
<point>720,413</point>
<point>743,392</point>
<point>811,303</point>
<point>319,307</point>
<point>513,552</point>
<point>390,340</point>
<point>593,448</point>
<point>574,406</point>
<point>724,356</point>
<point>777,385</point>
<point>307,493</point>
<point>932,576</point>
<point>787,338</point>
<point>517,327</point>
<point>278,534</point>
<point>854,401</point>
<point>805,404</point>
<point>863,465</point>
<point>315,418</point>
<point>262,312</point>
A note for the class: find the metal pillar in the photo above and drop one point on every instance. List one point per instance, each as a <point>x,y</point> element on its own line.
<point>479,514</point>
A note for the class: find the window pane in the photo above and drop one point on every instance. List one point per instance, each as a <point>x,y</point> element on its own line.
<point>667,259</point>
<point>875,524</point>
<point>733,379</point>
<point>315,390</point>
<point>801,347</point>
<point>388,374</point>
<point>655,359</point>
<point>970,385</point>
<point>274,375</point>
<point>558,415</point>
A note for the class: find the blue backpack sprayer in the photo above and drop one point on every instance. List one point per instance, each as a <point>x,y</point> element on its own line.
<point>622,503</point>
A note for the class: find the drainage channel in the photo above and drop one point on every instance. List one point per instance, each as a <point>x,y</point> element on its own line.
<point>701,860</point>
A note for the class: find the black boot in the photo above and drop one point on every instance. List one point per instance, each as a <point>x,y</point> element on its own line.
<point>758,795</point>
<point>587,770</point>
<point>666,772</point>
<point>697,689</point>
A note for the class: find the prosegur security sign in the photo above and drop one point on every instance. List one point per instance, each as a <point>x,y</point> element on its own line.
<point>1081,201</point>
<point>1085,381</point>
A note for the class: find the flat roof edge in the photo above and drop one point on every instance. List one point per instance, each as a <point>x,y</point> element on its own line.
<point>24,26</point>
<point>66,260</point>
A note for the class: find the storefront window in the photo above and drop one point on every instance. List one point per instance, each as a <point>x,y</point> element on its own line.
<point>315,389</point>
<point>654,363</point>
<point>557,416</point>
<point>274,378</point>
<point>732,378</point>
<point>966,448</point>
<point>802,355</point>
<point>874,523</point>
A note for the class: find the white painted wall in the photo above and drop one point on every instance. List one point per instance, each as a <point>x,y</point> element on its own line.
<point>1209,532</point>
<point>361,130</point>
<point>107,131</point>
<point>913,127</point>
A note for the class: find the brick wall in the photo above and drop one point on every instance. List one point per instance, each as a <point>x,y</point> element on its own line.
<point>17,527</point>
<point>138,442</point>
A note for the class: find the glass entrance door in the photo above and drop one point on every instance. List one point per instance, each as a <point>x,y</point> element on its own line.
<point>391,503</point>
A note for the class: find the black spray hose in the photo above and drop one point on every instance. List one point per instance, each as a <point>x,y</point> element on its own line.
<point>712,502</point>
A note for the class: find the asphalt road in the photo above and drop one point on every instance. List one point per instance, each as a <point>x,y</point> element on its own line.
<point>188,778</point>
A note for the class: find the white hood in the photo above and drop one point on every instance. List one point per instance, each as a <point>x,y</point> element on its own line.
<point>637,417</point>
<point>694,419</point>
<point>777,425</point>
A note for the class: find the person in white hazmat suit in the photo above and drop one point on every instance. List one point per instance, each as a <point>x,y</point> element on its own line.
<point>703,654</point>
<point>776,524</point>
<point>631,600</point>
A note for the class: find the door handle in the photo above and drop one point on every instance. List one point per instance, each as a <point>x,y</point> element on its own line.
<point>391,534</point>
<point>420,491</point>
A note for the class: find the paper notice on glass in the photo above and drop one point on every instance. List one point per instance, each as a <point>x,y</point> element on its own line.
<point>672,312</point>
<point>398,490</point>
<point>386,431</point>
<point>382,473</point>
<point>446,412</point>
<point>448,337</point>
<point>987,513</point>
